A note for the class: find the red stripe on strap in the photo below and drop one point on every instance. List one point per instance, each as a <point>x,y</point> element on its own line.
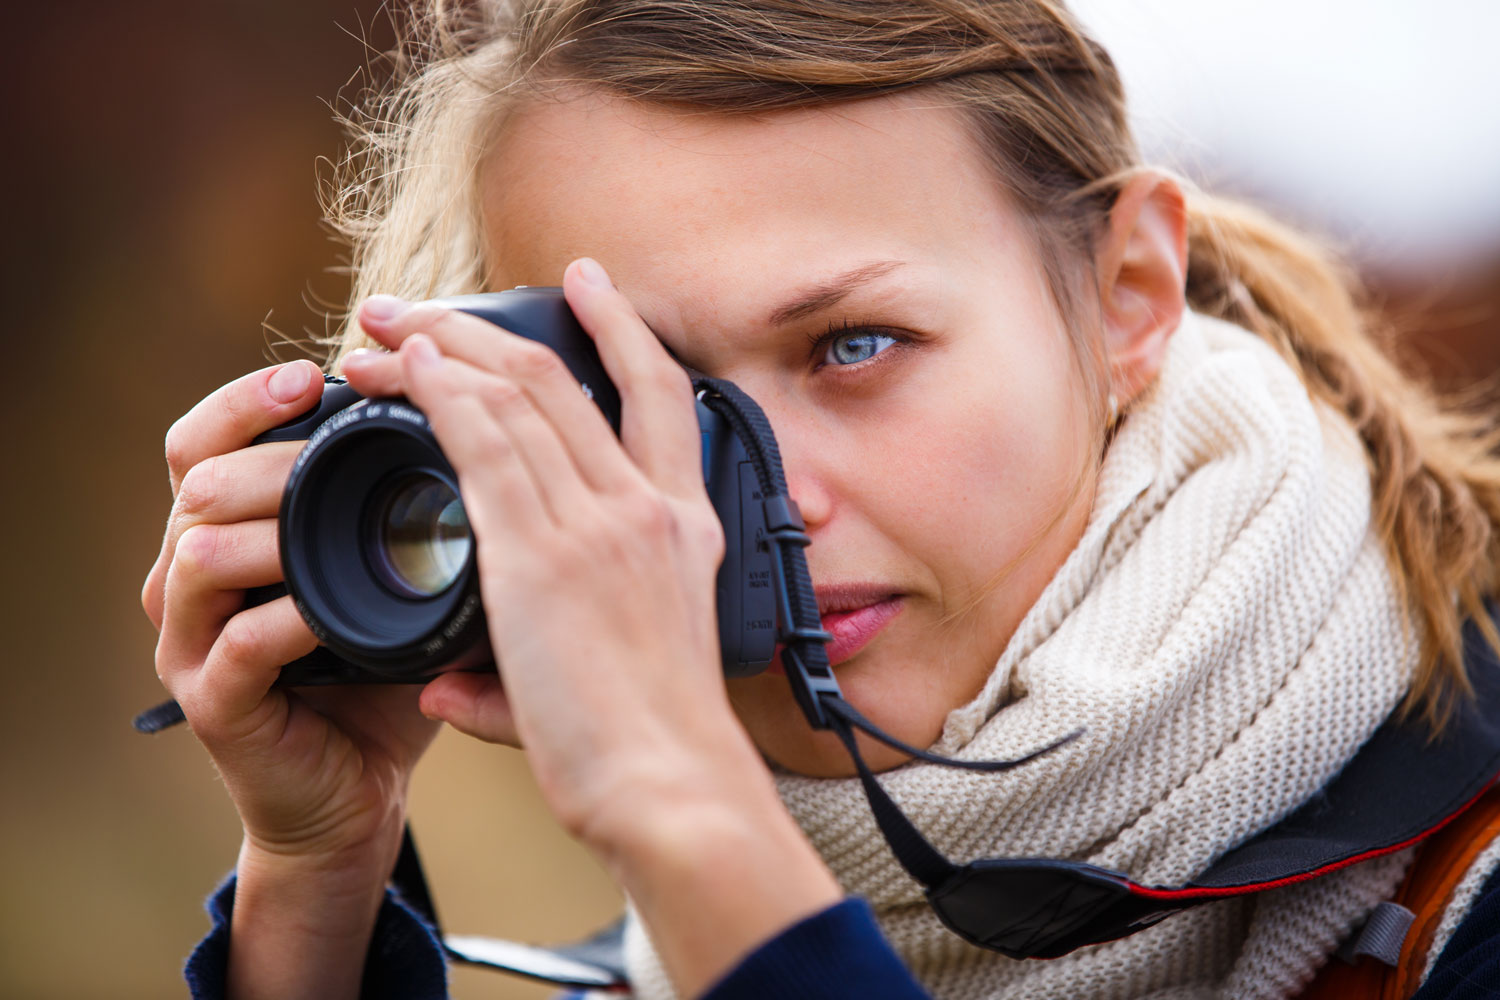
<point>1225,892</point>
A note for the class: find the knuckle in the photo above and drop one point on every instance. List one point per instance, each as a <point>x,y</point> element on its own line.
<point>176,446</point>
<point>535,362</point>
<point>167,670</point>
<point>649,514</point>
<point>706,535</point>
<point>502,393</point>
<point>670,378</point>
<point>163,668</point>
<point>490,442</point>
<point>237,408</point>
<point>240,640</point>
<point>483,439</point>
<point>197,549</point>
<point>428,318</point>
<point>198,707</point>
<point>151,596</point>
<point>200,487</point>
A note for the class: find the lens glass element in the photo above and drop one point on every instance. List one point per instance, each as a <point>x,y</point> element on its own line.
<point>422,534</point>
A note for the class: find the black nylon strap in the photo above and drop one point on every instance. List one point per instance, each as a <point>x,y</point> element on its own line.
<point>852,716</point>
<point>920,859</point>
<point>916,854</point>
<point>158,717</point>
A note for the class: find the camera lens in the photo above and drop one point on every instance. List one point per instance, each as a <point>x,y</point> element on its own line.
<point>421,535</point>
<point>376,546</point>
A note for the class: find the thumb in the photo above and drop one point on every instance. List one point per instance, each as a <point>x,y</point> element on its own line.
<point>474,704</point>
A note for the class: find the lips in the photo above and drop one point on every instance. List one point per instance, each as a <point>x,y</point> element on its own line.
<point>854,615</point>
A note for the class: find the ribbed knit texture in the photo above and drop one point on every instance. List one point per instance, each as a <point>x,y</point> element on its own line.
<point>1228,633</point>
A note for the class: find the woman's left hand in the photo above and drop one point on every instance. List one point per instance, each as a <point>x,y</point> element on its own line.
<point>597,554</point>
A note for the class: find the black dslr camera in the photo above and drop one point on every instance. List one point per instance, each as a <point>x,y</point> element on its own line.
<point>377,551</point>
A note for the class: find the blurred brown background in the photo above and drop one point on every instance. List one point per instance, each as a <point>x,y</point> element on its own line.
<point>160,207</point>
<point>159,210</point>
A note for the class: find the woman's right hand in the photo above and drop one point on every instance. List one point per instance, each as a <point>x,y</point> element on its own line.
<point>319,776</point>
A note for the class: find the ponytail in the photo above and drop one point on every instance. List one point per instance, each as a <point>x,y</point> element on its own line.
<point>1434,467</point>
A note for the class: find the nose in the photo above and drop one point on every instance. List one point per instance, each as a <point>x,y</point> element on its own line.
<point>806,481</point>
<point>811,497</point>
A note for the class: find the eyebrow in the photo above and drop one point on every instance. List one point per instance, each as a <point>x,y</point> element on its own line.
<point>828,293</point>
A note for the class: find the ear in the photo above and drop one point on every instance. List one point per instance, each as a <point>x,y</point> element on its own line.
<point>1142,267</point>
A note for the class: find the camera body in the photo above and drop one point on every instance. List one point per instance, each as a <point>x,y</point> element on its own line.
<point>375,547</point>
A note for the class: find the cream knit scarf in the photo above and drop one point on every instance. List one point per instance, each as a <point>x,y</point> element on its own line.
<point>1228,633</point>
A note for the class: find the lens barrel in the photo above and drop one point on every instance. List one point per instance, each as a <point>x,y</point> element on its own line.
<point>375,543</point>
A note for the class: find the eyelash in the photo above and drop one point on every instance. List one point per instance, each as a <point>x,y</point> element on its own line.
<point>822,342</point>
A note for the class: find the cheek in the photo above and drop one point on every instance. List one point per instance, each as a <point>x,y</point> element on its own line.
<point>985,476</point>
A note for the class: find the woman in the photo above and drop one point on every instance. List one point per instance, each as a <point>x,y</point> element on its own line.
<point>1076,450</point>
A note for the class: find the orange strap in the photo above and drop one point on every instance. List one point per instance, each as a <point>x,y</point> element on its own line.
<point>1441,863</point>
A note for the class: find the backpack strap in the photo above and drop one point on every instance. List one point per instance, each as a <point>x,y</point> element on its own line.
<point>1440,865</point>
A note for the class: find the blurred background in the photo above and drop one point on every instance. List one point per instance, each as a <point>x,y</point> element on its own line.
<point>162,235</point>
<point>161,222</point>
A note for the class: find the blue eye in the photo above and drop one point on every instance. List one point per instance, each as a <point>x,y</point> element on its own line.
<point>853,346</point>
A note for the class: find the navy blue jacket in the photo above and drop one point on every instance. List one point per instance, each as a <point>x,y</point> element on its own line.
<point>838,954</point>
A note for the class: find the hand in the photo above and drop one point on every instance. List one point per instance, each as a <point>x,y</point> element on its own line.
<point>318,777</point>
<point>597,555</point>
<point>597,559</point>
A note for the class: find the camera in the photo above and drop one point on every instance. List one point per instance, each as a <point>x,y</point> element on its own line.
<point>376,549</point>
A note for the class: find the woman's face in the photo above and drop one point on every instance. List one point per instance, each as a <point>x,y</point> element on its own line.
<point>859,272</point>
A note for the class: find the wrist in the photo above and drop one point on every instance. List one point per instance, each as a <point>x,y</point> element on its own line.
<point>714,865</point>
<point>302,923</point>
<point>317,879</point>
<point>349,845</point>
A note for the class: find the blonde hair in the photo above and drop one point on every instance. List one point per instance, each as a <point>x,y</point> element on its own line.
<point>1046,105</point>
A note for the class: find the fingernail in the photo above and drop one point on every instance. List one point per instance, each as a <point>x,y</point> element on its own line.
<point>422,350</point>
<point>359,356</point>
<point>590,271</point>
<point>383,307</point>
<point>290,382</point>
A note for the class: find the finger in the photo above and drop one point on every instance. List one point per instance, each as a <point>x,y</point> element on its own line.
<point>242,485</point>
<point>232,416</point>
<point>214,565</point>
<point>474,704</point>
<point>555,474</point>
<point>535,367</point>
<point>500,497</point>
<point>659,423</point>
<point>229,695</point>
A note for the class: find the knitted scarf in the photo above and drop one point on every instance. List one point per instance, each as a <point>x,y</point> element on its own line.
<point>1228,633</point>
